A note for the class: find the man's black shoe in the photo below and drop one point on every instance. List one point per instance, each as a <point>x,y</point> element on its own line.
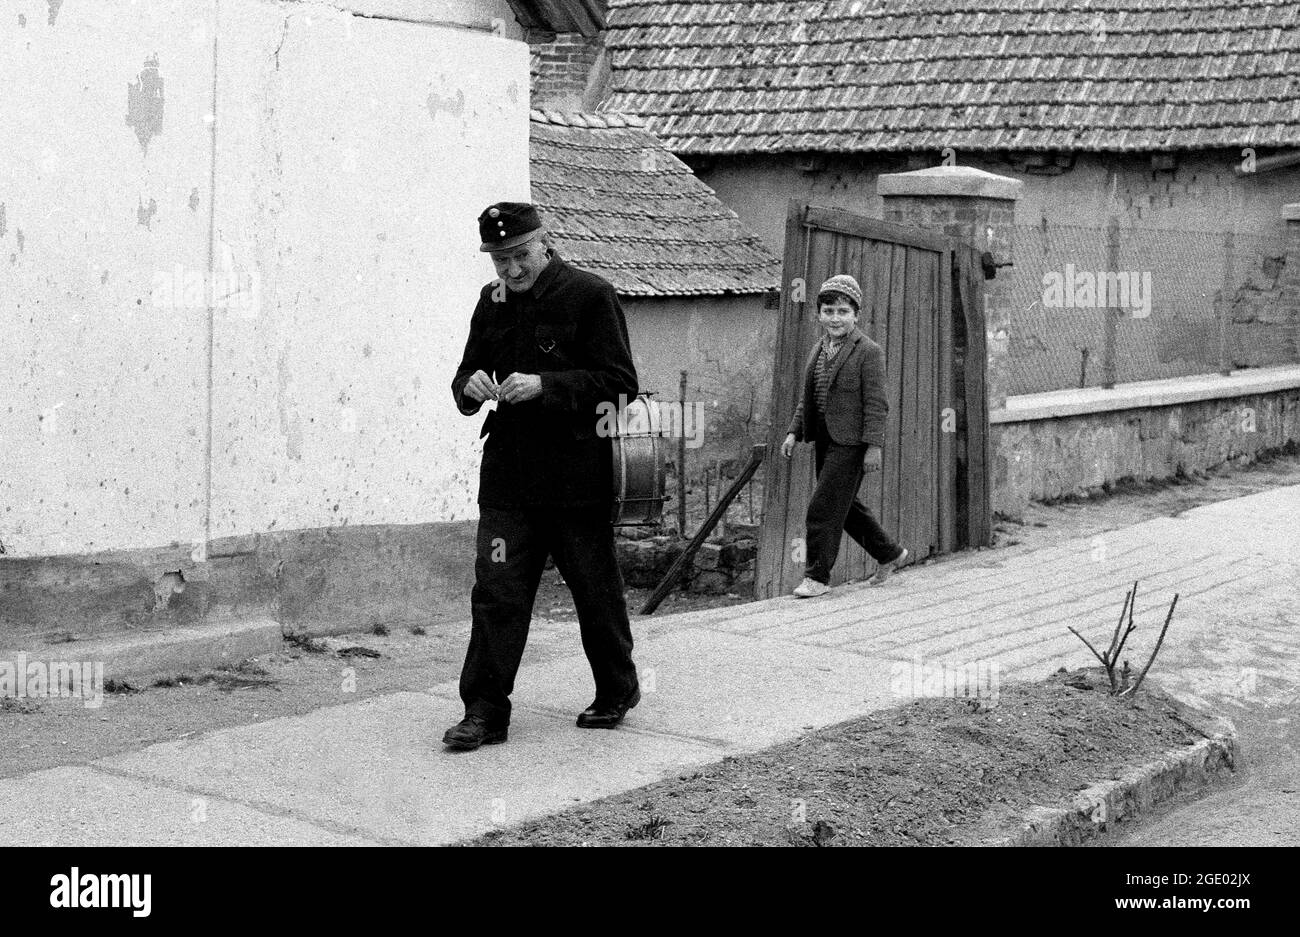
<point>607,715</point>
<point>473,731</point>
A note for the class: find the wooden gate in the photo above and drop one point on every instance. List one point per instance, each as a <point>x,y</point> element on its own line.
<point>923,303</point>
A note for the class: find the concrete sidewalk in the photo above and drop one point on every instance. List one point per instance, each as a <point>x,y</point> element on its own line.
<point>717,682</point>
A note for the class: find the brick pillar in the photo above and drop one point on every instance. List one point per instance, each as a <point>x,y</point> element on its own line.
<point>978,208</point>
<point>1289,279</point>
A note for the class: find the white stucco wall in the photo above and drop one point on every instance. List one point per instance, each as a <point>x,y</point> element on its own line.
<point>103,396</point>
<point>352,156</point>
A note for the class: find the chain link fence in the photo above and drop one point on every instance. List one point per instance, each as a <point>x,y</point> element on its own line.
<point>1096,306</point>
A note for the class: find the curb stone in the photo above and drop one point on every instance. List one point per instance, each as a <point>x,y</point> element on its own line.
<point>174,650</point>
<point>1093,812</point>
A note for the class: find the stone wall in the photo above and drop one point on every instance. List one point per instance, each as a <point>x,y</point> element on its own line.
<point>723,564</point>
<point>1077,455</point>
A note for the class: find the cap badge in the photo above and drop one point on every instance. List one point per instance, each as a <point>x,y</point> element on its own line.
<point>493,212</point>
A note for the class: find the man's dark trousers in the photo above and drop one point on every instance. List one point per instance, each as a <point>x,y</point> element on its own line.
<point>512,549</point>
<point>835,509</point>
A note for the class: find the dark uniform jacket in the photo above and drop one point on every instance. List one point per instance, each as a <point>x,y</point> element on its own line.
<point>856,406</point>
<point>569,328</point>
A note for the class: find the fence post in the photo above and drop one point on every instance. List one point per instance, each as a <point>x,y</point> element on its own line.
<point>681,460</point>
<point>1110,337</point>
<point>1225,303</point>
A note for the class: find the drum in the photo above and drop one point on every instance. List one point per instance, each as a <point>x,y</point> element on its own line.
<point>639,474</point>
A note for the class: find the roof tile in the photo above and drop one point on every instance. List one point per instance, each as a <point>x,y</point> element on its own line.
<point>618,203</point>
<point>835,75</point>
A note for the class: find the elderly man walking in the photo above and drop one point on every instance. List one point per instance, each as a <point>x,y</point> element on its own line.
<point>549,344</point>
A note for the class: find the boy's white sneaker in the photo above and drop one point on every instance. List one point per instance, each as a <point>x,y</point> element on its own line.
<point>811,588</point>
<point>884,569</point>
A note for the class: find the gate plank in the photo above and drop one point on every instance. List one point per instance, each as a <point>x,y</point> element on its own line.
<point>894,460</point>
<point>773,553</point>
<point>927,449</point>
<point>835,219</point>
<point>946,502</point>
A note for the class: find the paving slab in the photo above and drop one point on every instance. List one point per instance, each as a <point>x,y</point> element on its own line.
<point>82,806</point>
<point>730,691</point>
<point>377,768</point>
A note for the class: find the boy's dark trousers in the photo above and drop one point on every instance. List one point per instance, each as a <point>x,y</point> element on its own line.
<point>511,555</point>
<point>835,509</point>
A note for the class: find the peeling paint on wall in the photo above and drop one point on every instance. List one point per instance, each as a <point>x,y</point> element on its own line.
<point>194,199</point>
<point>144,103</point>
<point>144,215</point>
<point>451,103</point>
<point>22,21</point>
<point>54,9</point>
<point>290,424</point>
<point>21,240</point>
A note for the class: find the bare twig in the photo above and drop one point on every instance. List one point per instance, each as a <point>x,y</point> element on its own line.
<point>1090,647</point>
<point>1131,627</point>
<point>1114,640</point>
<point>1159,641</point>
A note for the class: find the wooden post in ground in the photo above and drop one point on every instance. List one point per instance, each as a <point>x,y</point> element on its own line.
<point>681,459</point>
<point>1111,313</point>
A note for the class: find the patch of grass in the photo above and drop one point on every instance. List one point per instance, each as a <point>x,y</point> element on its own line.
<point>305,642</point>
<point>179,679</point>
<point>242,676</point>
<point>380,629</point>
<point>651,829</point>
<point>24,707</point>
<point>114,685</point>
<point>357,650</point>
<point>419,630</point>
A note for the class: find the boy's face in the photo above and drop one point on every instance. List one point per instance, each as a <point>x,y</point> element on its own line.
<point>837,315</point>
<point>519,266</point>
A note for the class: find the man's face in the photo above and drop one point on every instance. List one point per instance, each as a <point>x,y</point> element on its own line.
<point>838,317</point>
<point>519,266</point>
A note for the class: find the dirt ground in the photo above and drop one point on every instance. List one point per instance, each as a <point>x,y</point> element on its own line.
<point>931,773</point>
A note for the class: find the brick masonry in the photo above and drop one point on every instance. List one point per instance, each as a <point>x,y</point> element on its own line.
<point>984,223</point>
<point>563,66</point>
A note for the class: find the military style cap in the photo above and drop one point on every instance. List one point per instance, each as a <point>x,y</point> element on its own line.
<point>508,224</point>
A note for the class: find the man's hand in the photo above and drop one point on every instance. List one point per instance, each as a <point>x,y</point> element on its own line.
<point>520,387</point>
<point>871,459</point>
<point>787,447</point>
<point>480,387</point>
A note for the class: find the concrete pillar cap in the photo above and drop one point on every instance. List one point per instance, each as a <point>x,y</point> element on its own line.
<point>1291,212</point>
<point>939,181</point>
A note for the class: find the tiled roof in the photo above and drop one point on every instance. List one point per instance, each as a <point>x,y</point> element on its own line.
<point>878,75</point>
<point>622,206</point>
